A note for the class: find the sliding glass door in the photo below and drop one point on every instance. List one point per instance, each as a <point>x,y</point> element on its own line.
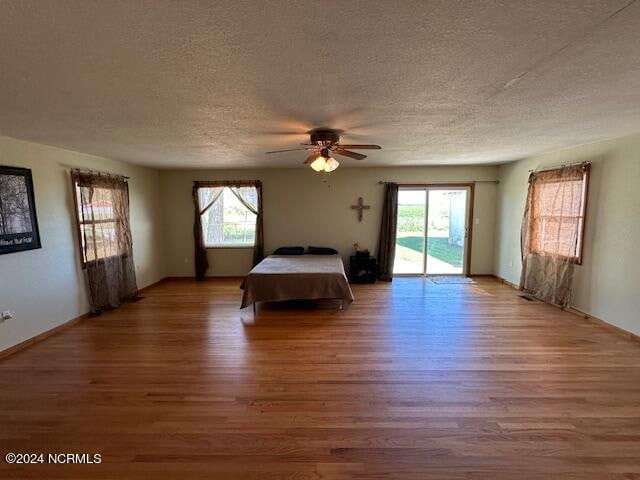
<point>432,234</point>
<point>446,231</point>
<point>412,211</point>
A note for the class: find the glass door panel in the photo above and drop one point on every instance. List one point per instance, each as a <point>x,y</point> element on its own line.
<point>410,239</point>
<point>446,231</point>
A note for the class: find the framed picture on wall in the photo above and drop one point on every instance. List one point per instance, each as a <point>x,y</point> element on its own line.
<point>18,221</point>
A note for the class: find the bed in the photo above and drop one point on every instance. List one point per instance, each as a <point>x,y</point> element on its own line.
<point>297,277</point>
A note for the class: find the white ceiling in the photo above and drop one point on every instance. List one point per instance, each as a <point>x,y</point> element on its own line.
<point>217,83</point>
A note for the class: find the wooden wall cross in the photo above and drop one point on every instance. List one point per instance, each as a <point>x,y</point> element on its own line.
<point>360,206</point>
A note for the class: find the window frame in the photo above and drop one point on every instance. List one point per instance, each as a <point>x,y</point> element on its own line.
<point>582,217</point>
<point>230,246</point>
<point>80,223</point>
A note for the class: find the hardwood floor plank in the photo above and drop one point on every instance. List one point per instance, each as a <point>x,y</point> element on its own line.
<point>414,381</point>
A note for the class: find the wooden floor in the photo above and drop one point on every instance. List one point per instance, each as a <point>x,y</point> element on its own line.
<point>414,381</point>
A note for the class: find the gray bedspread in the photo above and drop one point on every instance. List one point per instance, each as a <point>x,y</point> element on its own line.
<point>296,277</point>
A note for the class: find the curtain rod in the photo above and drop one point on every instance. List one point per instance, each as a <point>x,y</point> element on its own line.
<point>584,164</point>
<point>95,172</point>
<point>381,182</point>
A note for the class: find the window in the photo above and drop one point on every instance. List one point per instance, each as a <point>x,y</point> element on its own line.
<point>229,216</point>
<point>102,217</point>
<point>228,213</point>
<point>558,200</point>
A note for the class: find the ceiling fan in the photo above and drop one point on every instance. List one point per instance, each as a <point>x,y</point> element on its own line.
<point>323,142</point>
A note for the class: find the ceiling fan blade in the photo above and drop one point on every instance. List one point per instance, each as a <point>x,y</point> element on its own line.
<point>361,147</point>
<point>281,132</point>
<point>347,153</point>
<point>292,150</point>
<point>311,158</point>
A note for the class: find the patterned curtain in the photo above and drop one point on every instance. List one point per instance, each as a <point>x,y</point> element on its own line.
<point>205,194</point>
<point>388,227</point>
<point>102,208</point>
<point>552,232</point>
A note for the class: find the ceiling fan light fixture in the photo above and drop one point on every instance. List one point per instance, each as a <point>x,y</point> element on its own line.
<point>325,141</point>
<point>331,164</point>
<point>319,164</point>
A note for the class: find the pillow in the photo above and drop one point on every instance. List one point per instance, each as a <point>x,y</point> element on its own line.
<point>322,251</point>
<point>289,251</point>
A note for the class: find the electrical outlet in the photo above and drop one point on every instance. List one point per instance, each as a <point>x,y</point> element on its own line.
<point>7,315</point>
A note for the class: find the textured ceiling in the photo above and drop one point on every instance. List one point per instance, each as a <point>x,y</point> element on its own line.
<point>217,83</point>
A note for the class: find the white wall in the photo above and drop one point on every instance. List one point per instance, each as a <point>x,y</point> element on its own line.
<point>45,287</point>
<point>301,208</point>
<point>607,285</point>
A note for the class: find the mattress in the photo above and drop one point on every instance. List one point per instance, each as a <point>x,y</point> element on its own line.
<point>296,277</point>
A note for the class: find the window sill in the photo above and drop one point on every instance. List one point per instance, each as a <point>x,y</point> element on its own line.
<point>564,258</point>
<point>110,258</point>
<point>229,247</point>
